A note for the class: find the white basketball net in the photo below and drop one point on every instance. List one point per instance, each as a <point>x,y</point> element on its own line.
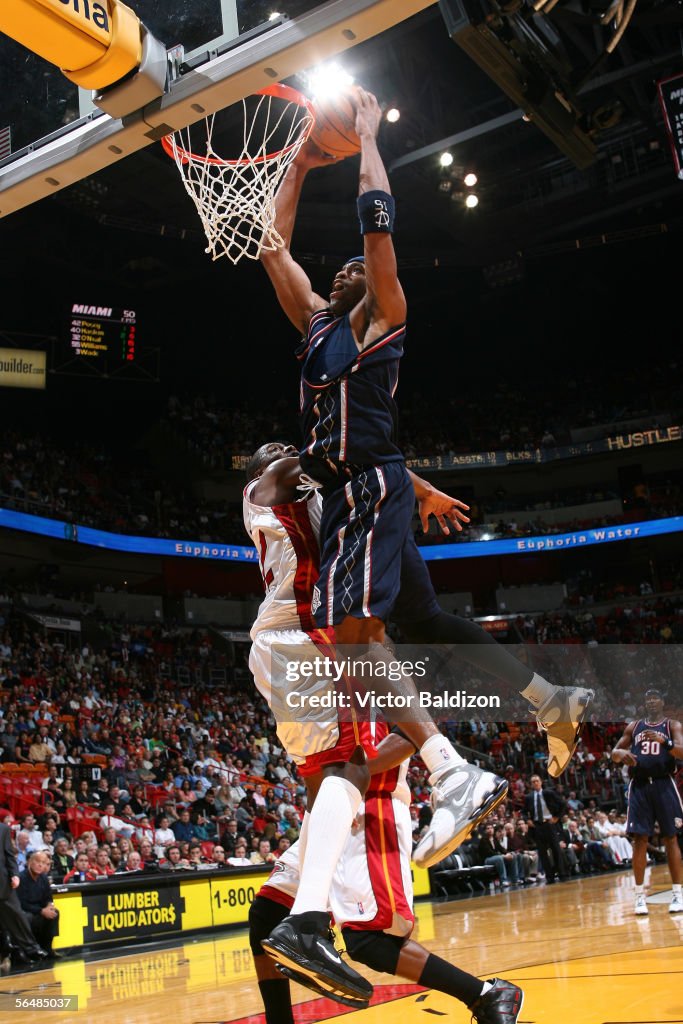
<point>235,199</point>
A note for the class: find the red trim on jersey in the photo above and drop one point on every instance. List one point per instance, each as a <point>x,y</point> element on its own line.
<point>296,521</point>
<point>351,735</point>
<point>276,896</point>
<point>384,865</point>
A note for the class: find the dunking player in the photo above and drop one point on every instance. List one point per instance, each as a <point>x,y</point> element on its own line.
<point>650,747</point>
<point>349,360</point>
<point>371,901</point>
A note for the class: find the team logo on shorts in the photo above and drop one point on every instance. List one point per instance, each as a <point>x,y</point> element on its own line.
<point>315,600</point>
<point>361,908</point>
<point>678,822</point>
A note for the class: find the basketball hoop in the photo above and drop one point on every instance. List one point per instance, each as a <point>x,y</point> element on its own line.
<point>235,198</point>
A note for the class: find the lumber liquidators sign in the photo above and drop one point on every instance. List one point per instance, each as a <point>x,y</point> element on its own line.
<point>138,914</point>
<point>22,368</point>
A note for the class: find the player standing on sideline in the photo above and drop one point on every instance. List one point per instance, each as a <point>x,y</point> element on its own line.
<point>650,748</point>
<point>349,360</point>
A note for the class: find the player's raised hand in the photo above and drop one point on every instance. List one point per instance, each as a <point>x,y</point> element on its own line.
<point>310,156</point>
<point>629,758</point>
<point>444,508</point>
<point>368,112</point>
<point>652,735</point>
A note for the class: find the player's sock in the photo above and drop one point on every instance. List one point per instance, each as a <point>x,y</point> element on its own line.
<point>439,755</point>
<point>639,890</point>
<point>479,647</point>
<point>331,818</point>
<point>538,691</point>
<point>677,890</point>
<point>276,1001</point>
<point>444,977</point>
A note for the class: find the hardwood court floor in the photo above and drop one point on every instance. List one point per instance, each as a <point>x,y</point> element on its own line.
<point>577,950</point>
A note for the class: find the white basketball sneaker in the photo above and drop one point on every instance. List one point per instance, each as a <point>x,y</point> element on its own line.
<point>641,906</point>
<point>461,798</point>
<point>676,905</point>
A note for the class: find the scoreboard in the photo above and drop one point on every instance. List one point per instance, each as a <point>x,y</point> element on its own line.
<point>105,334</point>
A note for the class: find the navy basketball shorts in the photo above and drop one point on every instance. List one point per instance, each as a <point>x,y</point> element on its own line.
<point>648,802</point>
<point>363,531</point>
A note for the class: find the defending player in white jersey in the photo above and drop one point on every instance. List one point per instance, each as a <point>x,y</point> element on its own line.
<point>371,901</point>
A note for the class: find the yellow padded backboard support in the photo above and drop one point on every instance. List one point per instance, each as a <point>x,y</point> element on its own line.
<point>94,43</point>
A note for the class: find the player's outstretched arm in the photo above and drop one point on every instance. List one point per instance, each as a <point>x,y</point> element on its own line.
<point>622,752</point>
<point>292,285</point>
<point>434,502</point>
<point>385,304</point>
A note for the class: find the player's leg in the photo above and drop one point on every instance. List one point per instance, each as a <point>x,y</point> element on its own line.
<point>331,754</point>
<point>560,710</point>
<point>364,531</point>
<point>302,941</point>
<point>372,891</point>
<point>669,812</point>
<point>639,864</point>
<point>271,909</point>
<point>640,823</point>
<point>673,856</point>
<point>495,1001</point>
<point>264,915</point>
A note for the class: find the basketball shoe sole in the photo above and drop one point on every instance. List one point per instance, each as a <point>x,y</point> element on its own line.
<point>309,983</point>
<point>302,943</point>
<point>562,718</point>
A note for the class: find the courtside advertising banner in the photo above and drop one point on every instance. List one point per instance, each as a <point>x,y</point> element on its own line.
<point>22,368</point>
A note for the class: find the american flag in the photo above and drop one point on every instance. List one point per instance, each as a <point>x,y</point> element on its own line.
<point>5,142</point>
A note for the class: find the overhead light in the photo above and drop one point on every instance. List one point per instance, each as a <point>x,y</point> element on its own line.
<point>471,201</point>
<point>445,185</point>
<point>393,114</point>
<point>446,159</point>
<point>328,80</point>
<point>470,180</point>
<point>273,15</point>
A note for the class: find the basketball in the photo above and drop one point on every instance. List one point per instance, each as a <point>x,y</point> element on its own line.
<point>334,131</point>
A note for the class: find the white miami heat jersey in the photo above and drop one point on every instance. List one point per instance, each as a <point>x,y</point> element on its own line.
<point>286,538</point>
